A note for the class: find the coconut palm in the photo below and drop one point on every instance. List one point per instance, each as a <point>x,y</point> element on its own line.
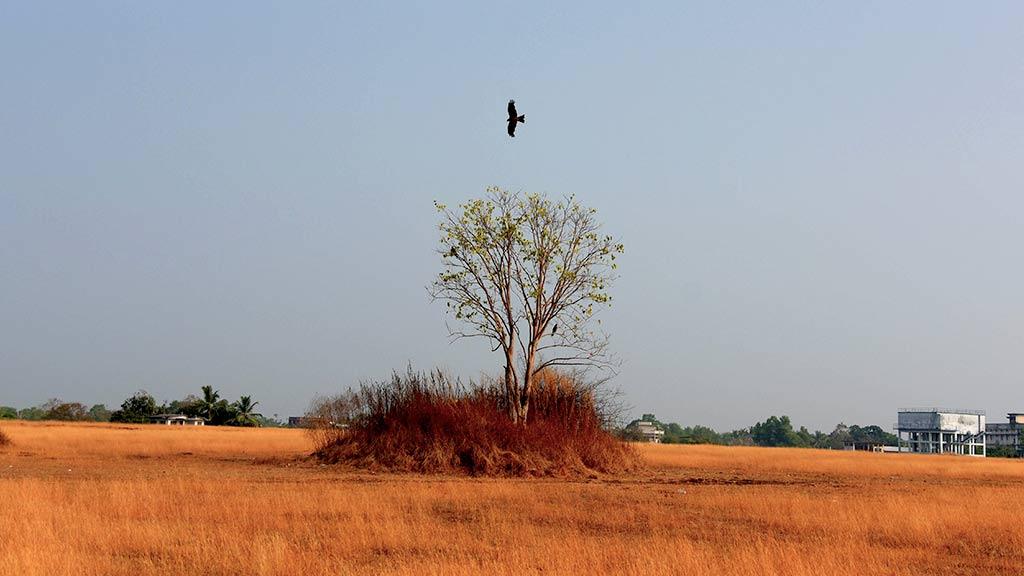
<point>244,412</point>
<point>208,403</point>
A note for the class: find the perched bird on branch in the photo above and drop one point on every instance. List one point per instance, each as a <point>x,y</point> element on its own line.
<point>554,329</point>
<point>514,118</point>
<point>454,252</point>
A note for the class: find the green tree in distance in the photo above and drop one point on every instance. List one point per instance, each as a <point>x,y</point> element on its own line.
<point>208,403</point>
<point>67,411</point>
<point>245,414</point>
<point>136,409</point>
<point>33,413</point>
<point>775,431</point>
<point>98,413</point>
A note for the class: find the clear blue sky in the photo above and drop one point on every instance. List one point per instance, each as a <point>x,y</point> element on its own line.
<point>821,203</point>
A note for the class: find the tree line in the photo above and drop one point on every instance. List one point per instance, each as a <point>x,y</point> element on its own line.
<point>774,431</point>
<point>139,407</point>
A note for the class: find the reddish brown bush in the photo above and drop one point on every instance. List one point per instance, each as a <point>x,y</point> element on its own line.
<point>428,423</point>
<point>5,440</point>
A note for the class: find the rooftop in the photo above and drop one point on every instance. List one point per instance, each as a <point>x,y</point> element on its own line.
<point>944,411</point>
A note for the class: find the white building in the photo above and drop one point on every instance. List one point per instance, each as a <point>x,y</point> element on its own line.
<point>649,432</point>
<point>942,431</point>
<point>176,420</point>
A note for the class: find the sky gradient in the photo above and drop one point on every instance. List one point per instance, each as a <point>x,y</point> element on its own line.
<point>821,203</point>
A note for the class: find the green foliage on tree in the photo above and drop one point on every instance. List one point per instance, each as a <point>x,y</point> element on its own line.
<point>190,406</point>
<point>68,412</point>
<point>739,437</point>
<point>33,413</point>
<point>222,413</point>
<point>210,403</point>
<point>872,434</point>
<point>698,434</point>
<point>843,435</point>
<point>136,409</point>
<point>244,412</point>
<point>270,422</point>
<point>98,413</point>
<point>774,431</point>
<point>8,413</point>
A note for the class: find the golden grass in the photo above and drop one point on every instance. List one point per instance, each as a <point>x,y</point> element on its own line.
<point>106,499</point>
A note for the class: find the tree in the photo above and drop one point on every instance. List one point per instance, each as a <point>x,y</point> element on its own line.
<point>33,413</point>
<point>8,413</point>
<point>208,403</point>
<point>821,440</point>
<point>189,406</point>
<point>223,412</point>
<point>138,408</point>
<point>269,422</point>
<point>98,413</point>
<point>525,272</point>
<point>839,437</point>
<point>804,437</point>
<point>675,434</point>
<point>775,431</point>
<point>244,412</point>
<point>67,411</point>
<point>741,437</point>
<point>872,434</point>
<point>701,435</point>
<point>49,405</point>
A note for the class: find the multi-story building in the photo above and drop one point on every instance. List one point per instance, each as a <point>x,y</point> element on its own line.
<point>1007,434</point>
<point>942,431</point>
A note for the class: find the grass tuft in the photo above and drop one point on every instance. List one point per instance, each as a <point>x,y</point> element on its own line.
<point>428,423</point>
<point>5,440</point>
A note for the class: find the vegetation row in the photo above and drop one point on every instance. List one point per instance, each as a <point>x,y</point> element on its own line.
<point>139,407</point>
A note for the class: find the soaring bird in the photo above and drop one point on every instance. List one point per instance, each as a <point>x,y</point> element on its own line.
<point>514,118</point>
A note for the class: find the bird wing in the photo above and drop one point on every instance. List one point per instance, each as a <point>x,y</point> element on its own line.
<point>512,110</point>
<point>512,127</point>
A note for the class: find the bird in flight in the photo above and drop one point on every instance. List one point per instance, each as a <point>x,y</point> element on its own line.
<point>514,118</point>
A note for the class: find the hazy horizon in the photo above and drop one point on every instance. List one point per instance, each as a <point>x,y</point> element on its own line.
<point>817,201</point>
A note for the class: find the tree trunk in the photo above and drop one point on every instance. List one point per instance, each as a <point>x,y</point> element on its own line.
<point>511,384</point>
<point>527,392</point>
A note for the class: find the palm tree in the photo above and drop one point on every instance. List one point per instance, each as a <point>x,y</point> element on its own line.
<point>209,401</point>
<point>244,414</point>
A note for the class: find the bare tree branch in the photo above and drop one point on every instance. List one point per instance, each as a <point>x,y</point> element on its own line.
<point>517,264</point>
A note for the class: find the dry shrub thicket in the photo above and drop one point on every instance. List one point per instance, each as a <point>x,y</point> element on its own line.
<point>428,422</point>
<point>5,440</point>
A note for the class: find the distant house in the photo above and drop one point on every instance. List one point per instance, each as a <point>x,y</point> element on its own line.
<point>647,428</point>
<point>868,446</point>
<point>305,421</point>
<point>649,432</point>
<point>176,420</point>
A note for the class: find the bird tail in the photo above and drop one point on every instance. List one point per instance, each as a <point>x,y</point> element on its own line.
<point>522,118</point>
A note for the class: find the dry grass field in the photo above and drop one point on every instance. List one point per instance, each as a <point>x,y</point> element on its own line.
<point>106,499</point>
